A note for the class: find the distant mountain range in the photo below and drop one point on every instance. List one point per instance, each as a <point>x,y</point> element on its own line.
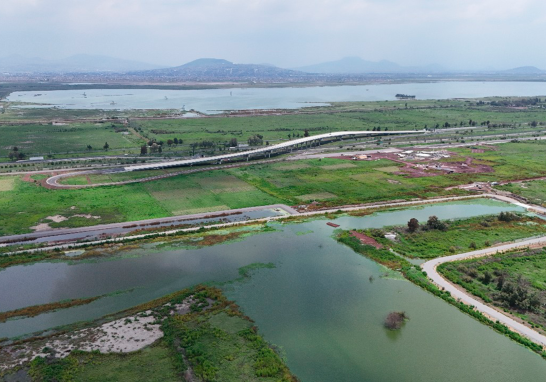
<point>80,63</point>
<point>213,68</point>
<point>526,70</point>
<point>356,65</point>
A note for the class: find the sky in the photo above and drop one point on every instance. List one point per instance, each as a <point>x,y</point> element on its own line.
<point>457,34</point>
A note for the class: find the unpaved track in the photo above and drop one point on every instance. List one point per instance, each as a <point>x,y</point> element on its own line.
<point>430,268</point>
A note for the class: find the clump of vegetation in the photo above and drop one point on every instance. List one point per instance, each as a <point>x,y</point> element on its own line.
<point>437,238</point>
<point>210,341</point>
<point>508,217</point>
<point>395,320</point>
<point>513,281</point>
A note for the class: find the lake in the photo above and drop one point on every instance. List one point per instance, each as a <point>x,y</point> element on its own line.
<point>212,101</point>
<point>318,305</point>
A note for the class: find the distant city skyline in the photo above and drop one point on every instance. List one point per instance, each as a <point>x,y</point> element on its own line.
<point>458,35</point>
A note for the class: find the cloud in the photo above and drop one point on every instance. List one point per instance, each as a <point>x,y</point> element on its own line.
<point>285,32</point>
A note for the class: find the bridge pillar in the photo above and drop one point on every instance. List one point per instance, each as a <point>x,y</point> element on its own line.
<point>247,158</point>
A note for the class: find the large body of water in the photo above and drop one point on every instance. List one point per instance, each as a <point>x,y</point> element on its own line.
<point>318,304</point>
<point>212,101</point>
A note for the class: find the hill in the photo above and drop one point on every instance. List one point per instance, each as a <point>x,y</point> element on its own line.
<point>526,70</point>
<point>214,69</point>
<point>356,65</point>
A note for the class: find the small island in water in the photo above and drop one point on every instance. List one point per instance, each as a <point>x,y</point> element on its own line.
<point>404,96</point>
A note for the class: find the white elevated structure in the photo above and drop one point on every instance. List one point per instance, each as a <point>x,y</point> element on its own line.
<point>268,150</point>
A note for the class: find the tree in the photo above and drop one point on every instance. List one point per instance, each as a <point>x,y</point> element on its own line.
<point>255,140</point>
<point>233,142</point>
<point>435,223</point>
<point>305,133</point>
<point>175,141</point>
<point>394,320</point>
<point>106,146</point>
<point>413,225</point>
<point>89,147</point>
<point>193,147</point>
<point>143,150</point>
<point>170,142</point>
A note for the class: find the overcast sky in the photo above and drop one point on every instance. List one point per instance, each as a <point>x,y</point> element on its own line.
<point>288,33</point>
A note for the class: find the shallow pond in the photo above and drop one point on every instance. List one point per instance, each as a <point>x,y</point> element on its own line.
<point>213,101</point>
<point>319,304</point>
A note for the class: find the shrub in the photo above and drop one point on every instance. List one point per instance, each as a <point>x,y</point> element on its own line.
<point>395,320</point>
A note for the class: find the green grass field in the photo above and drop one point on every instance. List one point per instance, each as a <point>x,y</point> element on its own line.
<point>513,281</point>
<point>183,194</point>
<point>338,181</point>
<point>330,182</point>
<point>463,236</point>
<point>392,115</point>
<point>74,137</point>
<point>43,138</point>
<point>534,191</point>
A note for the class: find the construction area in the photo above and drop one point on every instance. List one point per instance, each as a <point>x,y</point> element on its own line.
<point>420,163</point>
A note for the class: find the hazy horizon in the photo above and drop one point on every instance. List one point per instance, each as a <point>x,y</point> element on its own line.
<point>458,35</point>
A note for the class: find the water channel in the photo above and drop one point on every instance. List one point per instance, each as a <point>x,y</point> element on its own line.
<point>318,304</point>
<point>211,101</point>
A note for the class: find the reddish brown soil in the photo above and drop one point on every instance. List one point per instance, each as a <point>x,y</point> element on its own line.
<point>422,168</point>
<point>364,239</point>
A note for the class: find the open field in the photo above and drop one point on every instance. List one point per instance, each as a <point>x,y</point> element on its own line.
<point>182,194</point>
<point>43,137</point>
<point>351,182</point>
<point>391,115</point>
<point>461,236</point>
<point>257,184</point>
<point>513,281</point>
<point>73,137</point>
<point>534,191</point>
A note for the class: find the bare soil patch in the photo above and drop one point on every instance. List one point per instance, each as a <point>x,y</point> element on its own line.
<point>365,239</point>
<point>317,196</point>
<point>7,184</point>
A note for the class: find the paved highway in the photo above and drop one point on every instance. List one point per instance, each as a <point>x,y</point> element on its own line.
<point>267,149</point>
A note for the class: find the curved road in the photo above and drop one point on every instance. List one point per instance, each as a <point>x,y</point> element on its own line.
<point>430,268</point>
<point>267,149</point>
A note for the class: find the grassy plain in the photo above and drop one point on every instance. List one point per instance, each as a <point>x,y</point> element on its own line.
<point>534,191</point>
<point>392,115</point>
<point>514,281</point>
<point>462,236</point>
<point>73,137</point>
<point>184,194</point>
<point>43,138</point>
<point>330,182</point>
